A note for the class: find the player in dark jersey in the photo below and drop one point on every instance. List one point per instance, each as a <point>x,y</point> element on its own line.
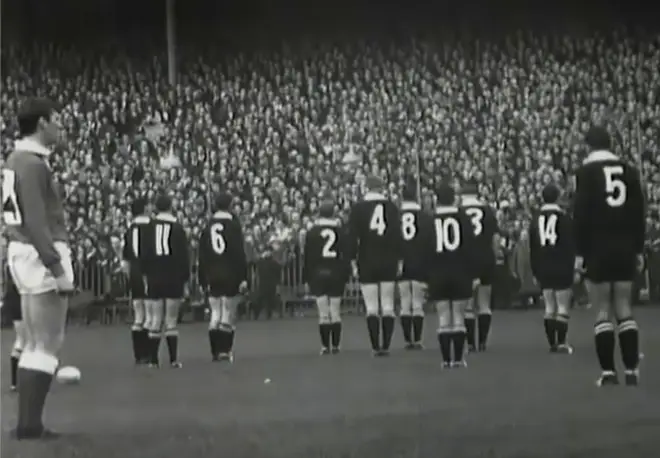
<point>325,272</point>
<point>375,246</point>
<point>222,273</point>
<point>609,221</point>
<point>11,302</point>
<point>167,268</point>
<point>38,256</point>
<point>416,225</point>
<point>484,226</point>
<point>453,270</point>
<point>552,255</point>
<point>136,238</point>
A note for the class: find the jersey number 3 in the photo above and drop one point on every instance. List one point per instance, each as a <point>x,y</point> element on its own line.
<point>10,212</point>
<point>614,186</point>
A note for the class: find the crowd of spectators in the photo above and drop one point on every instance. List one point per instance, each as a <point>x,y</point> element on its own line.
<point>277,127</point>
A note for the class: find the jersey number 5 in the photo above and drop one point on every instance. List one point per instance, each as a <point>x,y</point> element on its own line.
<point>548,230</point>
<point>330,238</point>
<point>163,232</point>
<point>377,222</point>
<point>10,212</point>
<point>447,235</point>
<point>217,240</point>
<point>614,186</point>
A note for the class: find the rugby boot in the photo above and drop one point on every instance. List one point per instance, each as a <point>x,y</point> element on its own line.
<point>632,377</point>
<point>39,433</point>
<point>335,350</point>
<point>324,351</point>
<point>607,378</point>
<point>565,349</point>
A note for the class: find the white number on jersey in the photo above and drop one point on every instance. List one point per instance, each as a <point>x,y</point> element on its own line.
<point>548,230</point>
<point>163,232</point>
<point>217,240</point>
<point>614,186</point>
<point>135,241</point>
<point>10,212</point>
<point>330,238</point>
<point>447,235</point>
<point>408,228</point>
<point>377,222</point>
<point>476,217</point>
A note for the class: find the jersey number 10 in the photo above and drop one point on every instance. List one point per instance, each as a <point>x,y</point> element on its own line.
<point>447,235</point>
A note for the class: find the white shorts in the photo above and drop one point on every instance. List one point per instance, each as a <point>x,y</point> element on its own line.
<point>29,273</point>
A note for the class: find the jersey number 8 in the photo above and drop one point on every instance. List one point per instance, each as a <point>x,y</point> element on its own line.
<point>614,186</point>
<point>447,235</point>
<point>408,228</point>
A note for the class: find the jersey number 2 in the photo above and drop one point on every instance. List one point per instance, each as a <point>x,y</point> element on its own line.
<point>163,232</point>
<point>10,211</point>
<point>614,186</point>
<point>548,230</point>
<point>330,238</point>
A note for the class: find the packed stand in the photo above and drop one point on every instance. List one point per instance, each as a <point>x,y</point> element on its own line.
<point>278,129</point>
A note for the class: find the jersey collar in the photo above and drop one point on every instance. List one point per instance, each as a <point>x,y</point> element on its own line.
<point>600,156</point>
<point>470,201</point>
<point>410,206</point>
<point>326,222</point>
<point>164,216</point>
<point>222,215</point>
<point>551,207</point>
<point>374,196</point>
<point>141,219</point>
<point>445,210</point>
<point>28,144</point>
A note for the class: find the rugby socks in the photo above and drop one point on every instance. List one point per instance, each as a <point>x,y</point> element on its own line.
<point>470,329</point>
<point>335,332</point>
<point>154,347</point>
<point>561,328</point>
<point>13,366</point>
<point>550,328</point>
<point>144,345</point>
<point>387,325</point>
<point>373,327</point>
<point>213,342</point>
<point>629,343</point>
<point>444,339</point>
<point>35,374</point>
<point>172,341</point>
<point>417,328</point>
<point>605,342</point>
<point>137,339</point>
<point>324,332</point>
<point>484,320</point>
<point>225,339</point>
<point>458,340</point>
<point>406,328</point>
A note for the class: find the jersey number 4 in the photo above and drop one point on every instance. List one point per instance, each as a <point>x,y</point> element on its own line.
<point>377,222</point>
<point>548,230</point>
<point>447,235</point>
<point>330,237</point>
<point>10,212</point>
<point>163,232</point>
<point>614,186</point>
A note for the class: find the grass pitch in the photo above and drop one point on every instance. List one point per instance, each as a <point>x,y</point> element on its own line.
<point>515,401</point>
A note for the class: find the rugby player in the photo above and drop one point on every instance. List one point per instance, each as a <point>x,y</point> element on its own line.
<point>375,246</point>
<point>552,255</point>
<point>135,238</point>
<point>167,269</point>
<point>416,225</point>
<point>325,272</point>
<point>609,224</point>
<point>38,257</point>
<point>486,232</point>
<point>453,268</point>
<point>222,271</point>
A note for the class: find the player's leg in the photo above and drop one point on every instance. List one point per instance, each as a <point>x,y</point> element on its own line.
<point>563,298</point>
<point>600,296</point>
<point>20,343</point>
<point>627,330</point>
<point>484,314</point>
<point>418,299</point>
<point>443,310</point>
<point>458,331</point>
<point>405,315</point>
<point>155,310</point>
<point>323,308</point>
<point>386,293</point>
<point>471,325</point>
<point>549,318</point>
<point>137,331</point>
<point>370,297</point>
<point>172,307</point>
<point>215,304</point>
<point>227,328</point>
<point>335,323</point>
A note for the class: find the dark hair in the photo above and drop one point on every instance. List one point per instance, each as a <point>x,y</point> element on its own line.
<point>550,194</point>
<point>409,192</point>
<point>31,111</point>
<point>138,206</point>
<point>163,203</point>
<point>222,202</point>
<point>446,194</point>
<point>470,188</point>
<point>598,138</point>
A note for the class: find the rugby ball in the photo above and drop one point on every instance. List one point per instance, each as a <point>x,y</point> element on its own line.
<point>68,375</point>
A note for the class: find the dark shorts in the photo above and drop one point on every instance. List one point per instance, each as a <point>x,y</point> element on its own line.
<point>137,286</point>
<point>387,272</point>
<point>229,288</point>
<point>450,286</point>
<point>413,273</point>
<point>12,301</point>
<point>164,288</point>
<point>327,284</point>
<point>487,273</point>
<point>611,265</point>
<point>556,282</point>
